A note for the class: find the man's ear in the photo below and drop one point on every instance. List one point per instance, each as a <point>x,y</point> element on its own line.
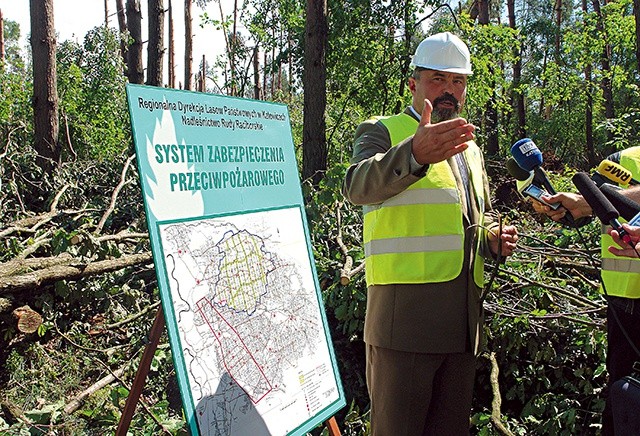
<point>412,84</point>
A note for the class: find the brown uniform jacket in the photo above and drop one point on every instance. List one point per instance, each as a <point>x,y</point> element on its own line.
<point>427,318</point>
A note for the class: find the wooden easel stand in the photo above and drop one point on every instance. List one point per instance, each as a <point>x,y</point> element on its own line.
<point>143,370</point>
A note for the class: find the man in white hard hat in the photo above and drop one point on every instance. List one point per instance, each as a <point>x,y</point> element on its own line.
<point>420,178</point>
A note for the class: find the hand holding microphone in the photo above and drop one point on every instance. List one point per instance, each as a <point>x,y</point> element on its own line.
<point>529,188</point>
<point>529,157</point>
<point>629,210</point>
<point>573,205</point>
<point>627,250</point>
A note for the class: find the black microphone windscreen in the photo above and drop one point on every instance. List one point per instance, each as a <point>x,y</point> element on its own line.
<point>599,179</point>
<point>625,206</point>
<point>516,171</point>
<point>602,207</point>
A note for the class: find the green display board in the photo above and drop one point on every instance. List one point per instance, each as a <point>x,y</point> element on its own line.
<point>235,268</point>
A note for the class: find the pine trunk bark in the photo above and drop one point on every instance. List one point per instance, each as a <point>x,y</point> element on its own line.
<point>122,27</point>
<point>155,47</point>
<point>188,46</point>
<point>588,122</point>
<point>2,54</point>
<point>490,112</point>
<point>45,94</point>
<point>134,58</point>
<point>605,84</point>
<point>257,92</point>
<point>172,53</point>
<point>314,156</point>
<point>517,97</point>
<point>636,14</point>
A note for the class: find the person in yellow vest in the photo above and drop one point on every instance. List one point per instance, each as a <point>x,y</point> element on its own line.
<point>620,278</point>
<point>420,178</point>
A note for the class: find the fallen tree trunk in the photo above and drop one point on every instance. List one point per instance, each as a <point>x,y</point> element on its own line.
<point>68,269</point>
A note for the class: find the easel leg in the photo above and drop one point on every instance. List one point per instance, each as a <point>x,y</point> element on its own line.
<point>332,426</point>
<point>143,370</point>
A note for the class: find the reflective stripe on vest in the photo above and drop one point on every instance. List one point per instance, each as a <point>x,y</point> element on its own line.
<point>413,244</point>
<point>621,265</point>
<point>417,236</point>
<point>620,275</point>
<point>418,196</point>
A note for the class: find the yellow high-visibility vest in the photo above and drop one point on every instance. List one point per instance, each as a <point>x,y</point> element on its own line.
<point>417,236</point>
<point>621,275</point>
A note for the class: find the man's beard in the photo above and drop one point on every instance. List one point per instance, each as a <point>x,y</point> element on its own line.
<point>442,114</point>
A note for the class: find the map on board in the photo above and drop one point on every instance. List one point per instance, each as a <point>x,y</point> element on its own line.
<point>247,309</point>
<point>232,252</point>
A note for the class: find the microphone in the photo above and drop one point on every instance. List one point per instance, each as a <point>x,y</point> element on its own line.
<point>602,207</point>
<point>528,156</point>
<point>627,208</point>
<point>530,188</point>
<point>616,173</point>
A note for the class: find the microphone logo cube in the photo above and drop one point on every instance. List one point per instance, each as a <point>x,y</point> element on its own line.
<point>618,172</point>
<point>527,148</point>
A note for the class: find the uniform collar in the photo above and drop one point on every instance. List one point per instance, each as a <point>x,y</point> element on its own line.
<point>415,112</point>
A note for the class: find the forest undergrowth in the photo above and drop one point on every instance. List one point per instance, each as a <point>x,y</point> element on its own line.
<point>79,295</point>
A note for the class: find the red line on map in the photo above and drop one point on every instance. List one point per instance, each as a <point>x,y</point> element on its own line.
<point>231,367</point>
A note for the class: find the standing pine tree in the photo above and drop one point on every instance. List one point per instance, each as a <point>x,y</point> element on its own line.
<point>45,94</point>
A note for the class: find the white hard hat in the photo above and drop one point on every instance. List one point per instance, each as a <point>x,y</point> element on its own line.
<point>443,52</point>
